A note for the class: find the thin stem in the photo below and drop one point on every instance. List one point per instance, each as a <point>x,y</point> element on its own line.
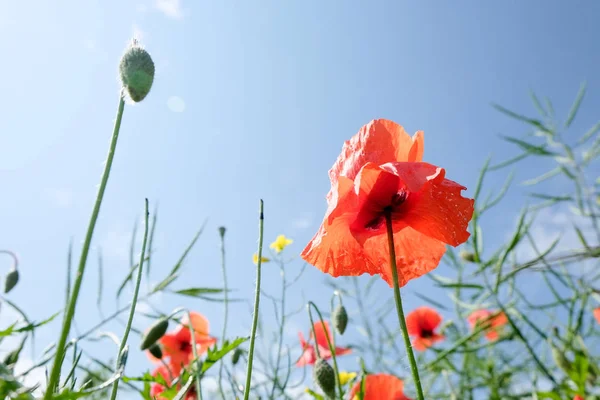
<point>13,256</point>
<point>281,326</point>
<point>136,292</point>
<point>226,300</point>
<point>329,343</point>
<point>261,224</point>
<point>409,351</point>
<point>66,327</point>
<point>195,353</point>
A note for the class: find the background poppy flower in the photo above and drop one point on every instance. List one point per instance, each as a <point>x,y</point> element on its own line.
<point>597,314</point>
<point>168,372</point>
<point>177,344</point>
<point>380,171</point>
<point>492,320</point>
<point>422,323</point>
<point>380,387</point>
<point>309,356</point>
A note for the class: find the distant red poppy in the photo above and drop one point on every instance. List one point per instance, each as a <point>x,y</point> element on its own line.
<point>597,314</point>
<point>493,322</point>
<point>422,323</point>
<point>380,170</point>
<point>309,356</point>
<point>168,373</point>
<point>578,397</point>
<point>380,387</point>
<point>177,344</point>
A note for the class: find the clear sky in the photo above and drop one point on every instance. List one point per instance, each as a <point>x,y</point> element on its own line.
<point>253,100</point>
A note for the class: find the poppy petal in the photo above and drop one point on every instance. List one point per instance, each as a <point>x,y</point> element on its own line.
<point>380,387</point>
<point>597,314</point>
<point>321,331</point>
<point>422,319</point>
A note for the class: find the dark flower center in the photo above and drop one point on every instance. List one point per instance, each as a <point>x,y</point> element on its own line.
<point>426,333</point>
<point>396,201</point>
<point>185,347</point>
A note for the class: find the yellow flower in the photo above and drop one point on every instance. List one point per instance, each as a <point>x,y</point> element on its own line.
<point>281,243</point>
<point>346,377</point>
<point>263,259</point>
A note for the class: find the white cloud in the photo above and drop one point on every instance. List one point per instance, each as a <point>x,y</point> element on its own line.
<point>171,8</point>
<point>37,376</point>
<point>302,222</point>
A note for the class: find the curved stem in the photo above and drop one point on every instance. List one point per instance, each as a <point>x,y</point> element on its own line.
<point>13,256</point>
<point>409,351</point>
<point>226,299</point>
<point>329,343</point>
<point>136,292</point>
<point>196,370</point>
<point>261,223</point>
<point>70,312</point>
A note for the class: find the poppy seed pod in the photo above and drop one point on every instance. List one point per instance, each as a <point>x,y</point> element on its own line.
<point>340,319</point>
<point>12,278</point>
<point>235,356</point>
<point>155,332</point>
<point>156,351</point>
<point>222,230</point>
<point>136,70</point>
<point>467,256</point>
<point>324,377</point>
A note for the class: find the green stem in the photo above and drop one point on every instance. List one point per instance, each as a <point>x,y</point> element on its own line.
<point>276,383</point>
<point>261,224</point>
<point>409,351</point>
<point>226,300</point>
<point>196,370</point>
<point>66,327</point>
<point>136,292</point>
<point>329,343</point>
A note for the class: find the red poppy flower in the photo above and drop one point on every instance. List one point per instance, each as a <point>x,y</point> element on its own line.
<point>597,314</point>
<point>578,397</point>
<point>422,323</point>
<point>493,322</point>
<point>168,373</point>
<point>380,387</point>
<point>309,356</point>
<point>177,344</point>
<point>379,171</point>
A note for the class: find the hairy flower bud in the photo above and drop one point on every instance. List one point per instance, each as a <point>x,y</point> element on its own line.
<point>324,377</point>
<point>222,230</point>
<point>235,356</point>
<point>156,351</point>
<point>155,332</point>
<point>340,319</point>
<point>12,278</point>
<point>136,70</point>
<point>467,256</point>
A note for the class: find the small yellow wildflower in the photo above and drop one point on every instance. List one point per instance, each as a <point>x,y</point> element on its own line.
<point>346,377</point>
<point>281,243</point>
<point>263,259</point>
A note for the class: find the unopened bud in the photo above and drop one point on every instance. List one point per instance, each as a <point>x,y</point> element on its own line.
<point>559,358</point>
<point>222,230</point>
<point>136,70</point>
<point>235,356</point>
<point>155,350</point>
<point>467,256</point>
<point>155,332</point>
<point>324,377</point>
<point>12,278</point>
<point>340,319</point>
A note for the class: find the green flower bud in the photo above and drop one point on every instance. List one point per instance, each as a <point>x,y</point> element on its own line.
<point>340,319</point>
<point>12,278</point>
<point>467,256</point>
<point>324,377</point>
<point>222,230</point>
<point>155,332</point>
<point>235,356</point>
<point>136,70</point>
<point>155,350</point>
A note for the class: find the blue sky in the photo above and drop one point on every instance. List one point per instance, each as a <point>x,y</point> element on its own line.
<point>254,100</point>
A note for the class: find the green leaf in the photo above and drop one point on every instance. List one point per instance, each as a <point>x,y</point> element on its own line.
<point>543,177</point>
<point>315,395</point>
<point>548,395</point>
<point>27,328</point>
<point>591,132</point>
<point>529,148</point>
<point>575,106</point>
<point>550,197</point>
<point>164,283</point>
<point>461,286</point>
<point>215,354</point>
<point>523,118</point>
<point>198,292</point>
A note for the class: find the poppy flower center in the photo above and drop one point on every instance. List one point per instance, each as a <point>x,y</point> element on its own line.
<point>426,333</point>
<point>185,347</point>
<point>396,201</point>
